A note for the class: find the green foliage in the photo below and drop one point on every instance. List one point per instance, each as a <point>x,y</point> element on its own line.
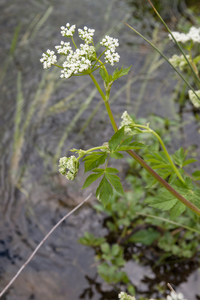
<point>90,240</point>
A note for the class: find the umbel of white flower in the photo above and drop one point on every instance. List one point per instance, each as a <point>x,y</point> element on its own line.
<point>71,163</point>
<point>175,296</point>
<point>193,98</point>
<point>124,296</point>
<point>193,35</point>
<point>81,59</point>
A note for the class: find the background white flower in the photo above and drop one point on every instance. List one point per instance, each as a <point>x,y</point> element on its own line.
<point>48,59</point>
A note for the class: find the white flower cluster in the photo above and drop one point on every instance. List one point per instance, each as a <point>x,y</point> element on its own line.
<point>124,296</point>
<point>192,35</point>
<point>78,61</point>
<point>48,59</point>
<point>179,61</point>
<point>81,59</point>
<point>175,296</point>
<point>86,34</point>
<point>64,48</point>
<point>193,98</point>
<point>68,31</point>
<point>71,163</point>
<point>110,55</point>
<point>127,121</point>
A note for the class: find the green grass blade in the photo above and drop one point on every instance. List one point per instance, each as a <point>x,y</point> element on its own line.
<point>175,42</point>
<point>164,58</point>
<point>168,221</point>
<point>15,38</point>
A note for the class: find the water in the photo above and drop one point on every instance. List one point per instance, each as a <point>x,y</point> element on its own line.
<point>33,195</point>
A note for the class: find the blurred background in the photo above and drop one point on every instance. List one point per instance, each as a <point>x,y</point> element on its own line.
<point>42,117</point>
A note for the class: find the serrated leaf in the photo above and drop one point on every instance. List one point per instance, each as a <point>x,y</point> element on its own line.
<point>116,155</point>
<point>188,161</point>
<point>104,191</point>
<point>115,181</point>
<point>119,73</point>
<point>177,210</point>
<point>103,75</point>
<point>116,139</point>
<point>111,170</point>
<point>196,175</point>
<point>91,178</point>
<point>94,160</point>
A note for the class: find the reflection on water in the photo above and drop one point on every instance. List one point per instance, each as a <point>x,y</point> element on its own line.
<point>42,117</point>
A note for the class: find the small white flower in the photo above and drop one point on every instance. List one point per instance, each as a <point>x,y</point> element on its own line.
<point>192,35</point>
<point>111,57</point>
<point>78,61</point>
<point>64,48</point>
<point>193,98</point>
<point>86,34</point>
<point>68,31</point>
<point>71,163</point>
<point>48,59</point>
<point>110,43</point>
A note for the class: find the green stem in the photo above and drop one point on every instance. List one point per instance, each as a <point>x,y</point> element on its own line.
<point>142,162</point>
<point>98,87</point>
<point>73,42</point>
<point>93,149</point>
<point>165,150</point>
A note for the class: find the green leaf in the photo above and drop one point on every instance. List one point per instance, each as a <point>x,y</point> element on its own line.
<point>105,247</point>
<point>102,72</point>
<point>196,175</point>
<point>188,161</point>
<point>119,73</point>
<point>177,210</point>
<point>111,170</point>
<point>98,170</point>
<point>116,139</point>
<point>94,160</point>
<point>116,155</point>
<point>115,181</point>
<point>145,237</point>
<point>115,250</point>
<point>126,141</point>
<point>179,157</point>
<point>104,191</point>
<point>91,179</point>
